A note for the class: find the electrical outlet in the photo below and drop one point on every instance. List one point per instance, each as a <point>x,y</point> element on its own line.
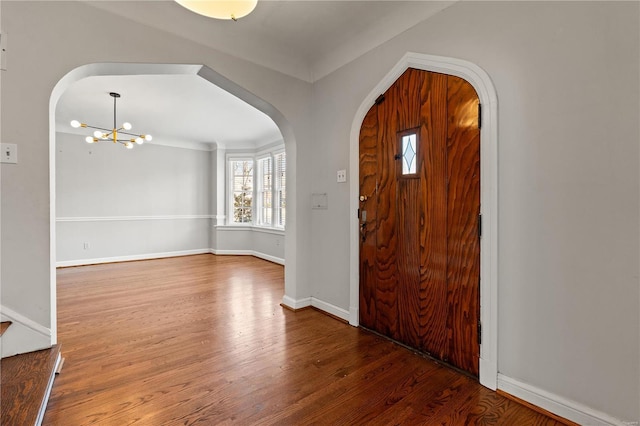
<point>342,176</point>
<point>9,153</point>
<point>86,246</point>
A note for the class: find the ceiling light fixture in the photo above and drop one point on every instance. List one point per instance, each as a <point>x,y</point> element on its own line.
<point>220,9</point>
<point>102,134</point>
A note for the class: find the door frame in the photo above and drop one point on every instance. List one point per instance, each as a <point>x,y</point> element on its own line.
<point>483,85</point>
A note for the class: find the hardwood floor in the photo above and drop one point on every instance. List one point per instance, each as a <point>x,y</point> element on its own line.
<point>203,340</point>
<point>26,379</point>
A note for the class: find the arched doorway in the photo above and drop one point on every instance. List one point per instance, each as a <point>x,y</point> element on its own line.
<point>209,75</point>
<point>482,84</point>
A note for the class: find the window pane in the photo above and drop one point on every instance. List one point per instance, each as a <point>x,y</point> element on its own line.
<point>242,190</point>
<point>409,154</point>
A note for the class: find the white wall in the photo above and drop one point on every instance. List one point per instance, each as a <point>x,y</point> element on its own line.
<point>567,81</point>
<point>261,242</point>
<point>150,200</point>
<point>147,202</point>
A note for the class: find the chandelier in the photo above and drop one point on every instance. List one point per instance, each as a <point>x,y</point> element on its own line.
<point>220,9</point>
<point>113,134</point>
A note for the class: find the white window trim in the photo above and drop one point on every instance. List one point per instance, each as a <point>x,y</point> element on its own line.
<point>275,214</point>
<point>255,157</point>
<point>229,188</point>
<point>259,206</point>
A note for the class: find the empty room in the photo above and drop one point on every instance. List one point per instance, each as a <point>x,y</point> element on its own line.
<point>320,212</point>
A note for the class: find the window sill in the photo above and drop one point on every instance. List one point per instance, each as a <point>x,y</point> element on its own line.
<point>254,228</point>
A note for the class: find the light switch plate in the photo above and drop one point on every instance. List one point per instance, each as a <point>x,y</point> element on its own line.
<point>9,153</point>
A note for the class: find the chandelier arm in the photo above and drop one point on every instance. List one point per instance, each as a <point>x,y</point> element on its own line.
<point>130,134</point>
<point>122,141</point>
<point>98,128</point>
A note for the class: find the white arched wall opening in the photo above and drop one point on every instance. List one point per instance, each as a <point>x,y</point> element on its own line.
<point>104,69</point>
<point>481,82</point>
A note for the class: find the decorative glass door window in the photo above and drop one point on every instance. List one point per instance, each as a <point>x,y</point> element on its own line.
<point>408,144</point>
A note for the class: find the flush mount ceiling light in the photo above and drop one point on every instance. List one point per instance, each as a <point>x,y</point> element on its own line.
<point>102,134</point>
<point>220,9</point>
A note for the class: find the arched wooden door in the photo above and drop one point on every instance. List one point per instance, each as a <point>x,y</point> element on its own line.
<point>419,217</point>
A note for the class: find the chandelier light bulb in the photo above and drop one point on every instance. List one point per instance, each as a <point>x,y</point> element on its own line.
<point>147,137</point>
<point>129,145</point>
<point>89,139</point>
<point>139,140</point>
<point>98,134</point>
<point>75,124</point>
<point>126,126</point>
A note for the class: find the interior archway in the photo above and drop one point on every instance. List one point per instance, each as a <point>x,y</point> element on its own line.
<point>483,85</point>
<point>208,74</point>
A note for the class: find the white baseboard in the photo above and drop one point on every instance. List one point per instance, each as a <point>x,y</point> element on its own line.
<point>254,253</point>
<point>16,318</point>
<point>558,405</point>
<point>329,308</point>
<point>316,303</point>
<point>24,335</point>
<point>292,303</point>
<point>132,218</point>
<point>146,256</point>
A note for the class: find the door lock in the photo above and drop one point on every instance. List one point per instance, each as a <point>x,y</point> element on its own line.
<point>363,231</point>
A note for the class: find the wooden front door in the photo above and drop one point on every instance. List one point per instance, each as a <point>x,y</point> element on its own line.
<point>419,217</point>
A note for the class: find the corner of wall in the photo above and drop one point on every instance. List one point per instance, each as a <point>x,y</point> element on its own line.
<point>24,335</point>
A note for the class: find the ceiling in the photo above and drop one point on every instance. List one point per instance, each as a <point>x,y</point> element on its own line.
<point>306,39</point>
<point>301,38</point>
<point>174,109</point>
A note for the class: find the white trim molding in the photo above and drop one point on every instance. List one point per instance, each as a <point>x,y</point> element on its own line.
<point>132,218</point>
<point>253,228</point>
<point>264,256</point>
<point>296,304</point>
<point>149,256</point>
<point>556,404</point>
<point>24,335</point>
<point>483,85</point>
<point>15,317</point>
<point>144,256</point>
<point>329,308</point>
<point>316,303</point>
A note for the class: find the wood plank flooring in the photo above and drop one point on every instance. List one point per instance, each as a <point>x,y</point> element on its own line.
<point>25,381</point>
<point>203,340</point>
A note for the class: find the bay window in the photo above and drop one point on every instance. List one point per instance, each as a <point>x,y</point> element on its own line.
<point>265,183</point>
